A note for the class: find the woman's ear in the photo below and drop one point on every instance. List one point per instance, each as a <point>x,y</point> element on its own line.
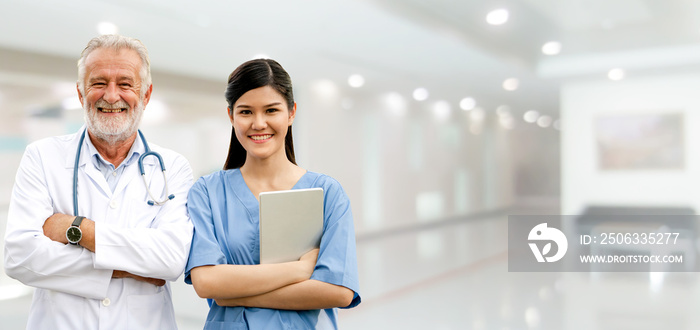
<point>292,113</point>
<point>230,114</point>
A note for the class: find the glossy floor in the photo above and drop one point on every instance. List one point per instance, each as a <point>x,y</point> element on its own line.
<point>454,275</point>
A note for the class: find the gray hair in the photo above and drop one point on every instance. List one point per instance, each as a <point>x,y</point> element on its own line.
<point>116,42</point>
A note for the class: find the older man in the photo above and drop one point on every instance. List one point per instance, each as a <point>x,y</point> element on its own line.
<point>101,260</point>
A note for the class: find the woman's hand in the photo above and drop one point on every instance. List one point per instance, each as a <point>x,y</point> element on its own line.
<point>308,262</point>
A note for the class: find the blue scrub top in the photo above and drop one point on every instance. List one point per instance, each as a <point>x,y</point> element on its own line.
<point>225,214</point>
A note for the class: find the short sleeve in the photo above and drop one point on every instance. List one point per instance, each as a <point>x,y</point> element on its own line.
<point>205,248</point>
<point>337,259</point>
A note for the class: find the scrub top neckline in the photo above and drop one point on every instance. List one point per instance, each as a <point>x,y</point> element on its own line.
<point>245,193</point>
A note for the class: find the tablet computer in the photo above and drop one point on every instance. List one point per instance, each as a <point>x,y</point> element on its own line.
<point>291,223</point>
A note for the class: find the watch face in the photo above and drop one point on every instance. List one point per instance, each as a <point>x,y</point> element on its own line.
<point>73,234</point>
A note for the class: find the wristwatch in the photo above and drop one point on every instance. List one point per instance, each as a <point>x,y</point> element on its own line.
<point>74,234</point>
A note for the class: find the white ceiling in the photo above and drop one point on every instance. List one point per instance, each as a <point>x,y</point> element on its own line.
<point>443,45</point>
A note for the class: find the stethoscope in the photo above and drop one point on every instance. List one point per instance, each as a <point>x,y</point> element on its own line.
<point>148,152</point>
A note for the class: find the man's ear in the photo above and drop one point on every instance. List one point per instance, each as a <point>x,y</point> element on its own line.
<point>147,96</point>
<point>80,95</point>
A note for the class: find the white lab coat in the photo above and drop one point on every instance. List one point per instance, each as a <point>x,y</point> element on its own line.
<point>74,288</point>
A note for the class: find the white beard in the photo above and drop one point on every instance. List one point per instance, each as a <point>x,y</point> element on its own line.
<point>113,130</point>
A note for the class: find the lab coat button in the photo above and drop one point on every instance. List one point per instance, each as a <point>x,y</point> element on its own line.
<point>113,204</point>
<point>106,302</point>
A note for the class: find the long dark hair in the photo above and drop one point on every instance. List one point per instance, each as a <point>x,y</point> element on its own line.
<point>248,76</point>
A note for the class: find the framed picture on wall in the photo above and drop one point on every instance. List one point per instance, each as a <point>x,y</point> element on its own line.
<point>640,141</point>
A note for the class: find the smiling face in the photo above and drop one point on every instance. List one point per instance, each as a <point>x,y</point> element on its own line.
<point>261,118</point>
<point>112,97</point>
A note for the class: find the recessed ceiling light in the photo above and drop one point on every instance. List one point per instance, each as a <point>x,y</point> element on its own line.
<point>467,103</point>
<point>616,74</point>
<point>325,90</point>
<point>497,17</point>
<point>511,84</point>
<point>395,103</point>
<point>442,110</point>
<point>107,28</point>
<point>531,116</point>
<point>420,94</point>
<point>551,48</point>
<point>544,121</point>
<point>356,81</point>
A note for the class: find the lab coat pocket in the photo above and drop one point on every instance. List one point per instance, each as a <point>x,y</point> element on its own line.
<point>42,305</point>
<point>48,311</point>
<point>152,311</point>
<point>141,215</point>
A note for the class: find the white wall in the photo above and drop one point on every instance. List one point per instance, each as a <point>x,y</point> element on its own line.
<point>583,183</point>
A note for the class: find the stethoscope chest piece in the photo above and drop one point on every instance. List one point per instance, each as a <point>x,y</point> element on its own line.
<point>153,201</point>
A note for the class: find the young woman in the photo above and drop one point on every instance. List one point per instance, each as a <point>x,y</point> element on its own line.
<point>224,263</point>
